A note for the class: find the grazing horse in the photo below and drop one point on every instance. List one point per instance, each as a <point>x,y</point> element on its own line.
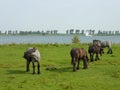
<point>95,49</point>
<point>107,44</point>
<point>104,44</point>
<point>32,55</point>
<point>76,55</point>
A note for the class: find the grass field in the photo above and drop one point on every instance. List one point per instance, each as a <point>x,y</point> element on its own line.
<point>56,70</point>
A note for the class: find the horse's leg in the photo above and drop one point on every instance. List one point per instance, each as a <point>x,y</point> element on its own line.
<point>38,67</point>
<point>33,67</point>
<point>97,57</point>
<point>74,67</point>
<point>74,64</point>
<point>85,63</point>
<point>78,64</point>
<point>27,65</point>
<point>108,51</point>
<point>91,57</point>
<point>72,59</point>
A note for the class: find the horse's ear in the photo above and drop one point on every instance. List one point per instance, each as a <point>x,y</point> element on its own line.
<point>34,49</point>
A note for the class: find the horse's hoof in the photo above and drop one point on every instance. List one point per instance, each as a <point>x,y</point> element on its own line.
<point>33,73</point>
<point>27,70</point>
<point>74,70</point>
<point>85,67</point>
<point>39,73</point>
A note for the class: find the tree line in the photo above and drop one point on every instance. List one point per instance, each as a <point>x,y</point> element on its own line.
<point>54,32</point>
<point>16,32</point>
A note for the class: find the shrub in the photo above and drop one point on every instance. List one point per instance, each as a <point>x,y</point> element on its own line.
<point>76,39</point>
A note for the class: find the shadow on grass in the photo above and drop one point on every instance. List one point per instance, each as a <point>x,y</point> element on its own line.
<point>57,69</point>
<point>16,72</point>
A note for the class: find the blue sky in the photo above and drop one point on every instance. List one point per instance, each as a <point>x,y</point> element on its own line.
<point>59,14</point>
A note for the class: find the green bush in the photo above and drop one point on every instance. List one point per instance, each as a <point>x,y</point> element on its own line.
<point>76,39</point>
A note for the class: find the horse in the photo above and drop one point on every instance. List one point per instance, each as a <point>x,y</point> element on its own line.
<point>32,55</point>
<point>76,55</point>
<point>95,49</point>
<point>104,44</point>
<point>107,44</point>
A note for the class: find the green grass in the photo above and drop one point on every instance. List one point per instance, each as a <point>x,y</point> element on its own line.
<point>56,70</point>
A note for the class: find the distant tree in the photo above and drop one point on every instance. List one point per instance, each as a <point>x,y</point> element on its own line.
<point>67,31</point>
<point>75,39</point>
<point>93,32</point>
<point>71,31</point>
<point>21,32</point>
<point>77,31</point>
<point>13,32</point>
<point>82,32</point>
<point>51,32</point>
<point>9,32</point>
<point>47,32</point>
<point>55,31</point>
<point>38,32</point>
<point>104,33</point>
<point>16,32</point>
<point>99,32</point>
<point>90,31</point>
<point>5,32</point>
<point>116,32</point>
<point>110,32</point>
<point>29,32</point>
<point>43,32</point>
<point>113,33</point>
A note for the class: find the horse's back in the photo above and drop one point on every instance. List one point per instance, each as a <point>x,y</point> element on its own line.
<point>33,52</point>
<point>106,44</point>
<point>36,54</point>
<point>74,52</point>
<point>78,53</point>
<point>82,52</point>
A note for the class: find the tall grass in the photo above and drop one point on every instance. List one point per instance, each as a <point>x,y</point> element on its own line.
<point>56,70</point>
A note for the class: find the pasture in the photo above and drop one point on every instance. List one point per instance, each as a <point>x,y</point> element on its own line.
<point>56,69</point>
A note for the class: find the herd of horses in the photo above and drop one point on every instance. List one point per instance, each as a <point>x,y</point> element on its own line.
<point>96,48</point>
<point>77,54</point>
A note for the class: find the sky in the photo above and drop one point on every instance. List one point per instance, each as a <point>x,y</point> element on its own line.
<point>59,14</point>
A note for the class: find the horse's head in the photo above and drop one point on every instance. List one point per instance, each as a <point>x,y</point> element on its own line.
<point>101,51</point>
<point>26,55</point>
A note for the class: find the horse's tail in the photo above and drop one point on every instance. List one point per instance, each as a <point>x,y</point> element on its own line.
<point>87,58</point>
<point>72,60</point>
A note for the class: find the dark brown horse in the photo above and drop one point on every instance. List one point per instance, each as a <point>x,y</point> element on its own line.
<point>76,55</point>
<point>95,49</point>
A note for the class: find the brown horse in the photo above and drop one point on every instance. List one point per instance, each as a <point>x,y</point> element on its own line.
<point>95,49</point>
<point>76,55</point>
